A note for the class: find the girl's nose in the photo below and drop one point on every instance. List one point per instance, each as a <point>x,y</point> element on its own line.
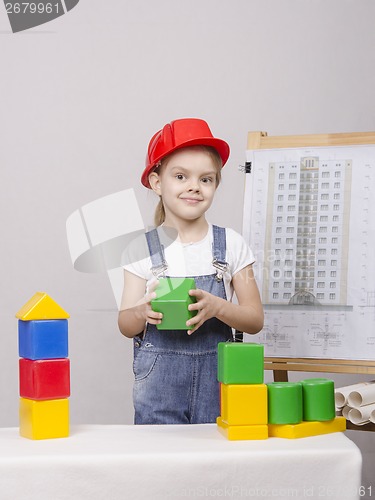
<point>194,185</point>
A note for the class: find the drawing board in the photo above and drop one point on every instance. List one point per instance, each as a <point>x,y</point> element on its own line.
<point>309,217</point>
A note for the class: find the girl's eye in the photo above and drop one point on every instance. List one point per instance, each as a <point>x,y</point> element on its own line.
<point>206,180</point>
<point>180,177</point>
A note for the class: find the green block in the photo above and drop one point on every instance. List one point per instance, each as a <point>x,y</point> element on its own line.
<point>240,363</point>
<point>284,402</point>
<point>172,299</point>
<point>318,399</point>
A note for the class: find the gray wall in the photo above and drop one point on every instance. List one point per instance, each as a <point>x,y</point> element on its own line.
<point>80,98</point>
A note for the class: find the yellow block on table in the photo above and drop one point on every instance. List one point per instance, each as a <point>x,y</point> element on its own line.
<point>306,429</point>
<point>244,404</point>
<point>242,432</point>
<point>44,419</point>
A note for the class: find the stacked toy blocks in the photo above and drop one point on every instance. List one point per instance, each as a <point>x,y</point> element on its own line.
<point>243,394</point>
<point>44,369</point>
<point>172,300</point>
<point>253,410</point>
<point>303,409</point>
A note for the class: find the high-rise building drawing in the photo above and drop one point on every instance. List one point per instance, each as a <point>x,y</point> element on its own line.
<point>307,232</point>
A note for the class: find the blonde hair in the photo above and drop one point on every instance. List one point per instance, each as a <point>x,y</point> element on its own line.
<point>159,216</point>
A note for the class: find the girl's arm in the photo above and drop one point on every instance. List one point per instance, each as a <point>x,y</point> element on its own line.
<point>135,308</point>
<point>246,316</point>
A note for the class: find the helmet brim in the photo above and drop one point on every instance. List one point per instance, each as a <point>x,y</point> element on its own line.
<point>221,147</point>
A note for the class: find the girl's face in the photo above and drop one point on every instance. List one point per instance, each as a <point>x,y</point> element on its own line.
<point>186,183</point>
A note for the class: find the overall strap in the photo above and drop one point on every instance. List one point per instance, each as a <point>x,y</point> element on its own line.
<point>219,248</point>
<point>156,249</point>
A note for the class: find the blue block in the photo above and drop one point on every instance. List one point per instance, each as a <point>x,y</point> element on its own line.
<point>43,339</point>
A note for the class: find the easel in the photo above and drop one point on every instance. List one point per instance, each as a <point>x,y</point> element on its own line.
<point>281,366</point>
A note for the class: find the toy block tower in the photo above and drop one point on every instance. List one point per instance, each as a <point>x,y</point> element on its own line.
<point>303,409</point>
<point>44,369</point>
<point>243,394</point>
<point>172,299</point>
<point>253,410</point>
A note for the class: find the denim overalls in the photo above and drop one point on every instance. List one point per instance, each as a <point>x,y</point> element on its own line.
<point>176,373</point>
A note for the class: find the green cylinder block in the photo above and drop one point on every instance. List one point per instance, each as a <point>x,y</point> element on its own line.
<point>284,402</point>
<point>318,399</point>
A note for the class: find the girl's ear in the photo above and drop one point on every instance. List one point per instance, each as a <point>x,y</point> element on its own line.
<point>154,181</point>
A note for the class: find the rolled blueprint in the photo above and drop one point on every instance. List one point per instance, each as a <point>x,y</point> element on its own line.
<point>361,416</point>
<point>342,393</point>
<point>362,396</point>
<point>372,417</point>
<point>345,411</point>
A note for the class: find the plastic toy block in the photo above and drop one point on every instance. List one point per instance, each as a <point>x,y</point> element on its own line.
<point>41,306</point>
<point>242,432</point>
<point>318,399</point>
<point>44,378</point>
<point>244,404</point>
<point>240,363</point>
<point>172,299</point>
<point>306,429</point>
<point>43,339</point>
<point>284,402</point>
<point>44,419</point>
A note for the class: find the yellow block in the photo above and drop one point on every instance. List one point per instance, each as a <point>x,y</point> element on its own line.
<point>41,306</point>
<point>242,432</point>
<point>244,404</point>
<point>44,419</point>
<point>305,429</point>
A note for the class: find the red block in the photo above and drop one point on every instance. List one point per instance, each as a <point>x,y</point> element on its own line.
<point>44,378</point>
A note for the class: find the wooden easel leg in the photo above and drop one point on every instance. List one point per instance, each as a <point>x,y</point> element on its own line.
<point>280,375</point>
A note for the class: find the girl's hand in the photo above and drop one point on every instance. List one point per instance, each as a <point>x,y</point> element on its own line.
<point>152,317</point>
<point>207,305</point>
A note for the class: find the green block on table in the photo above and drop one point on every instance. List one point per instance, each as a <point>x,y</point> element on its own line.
<point>284,403</point>
<point>318,399</point>
<point>240,363</point>
<point>172,300</point>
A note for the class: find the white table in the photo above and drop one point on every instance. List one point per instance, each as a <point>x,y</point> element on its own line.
<point>175,461</point>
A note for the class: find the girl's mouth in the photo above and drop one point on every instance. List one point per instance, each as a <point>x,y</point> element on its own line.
<point>191,201</point>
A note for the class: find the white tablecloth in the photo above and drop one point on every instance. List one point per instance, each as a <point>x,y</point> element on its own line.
<point>161,462</point>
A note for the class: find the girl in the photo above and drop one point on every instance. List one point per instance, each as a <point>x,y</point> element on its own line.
<point>176,371</point>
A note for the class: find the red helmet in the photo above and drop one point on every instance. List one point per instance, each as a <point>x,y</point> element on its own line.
<point>178,134</point>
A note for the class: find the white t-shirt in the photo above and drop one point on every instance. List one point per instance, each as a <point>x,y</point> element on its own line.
<point>189,259</point>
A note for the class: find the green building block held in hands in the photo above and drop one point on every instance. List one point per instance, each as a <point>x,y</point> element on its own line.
<point>172,300</point>
<point>240,363</point>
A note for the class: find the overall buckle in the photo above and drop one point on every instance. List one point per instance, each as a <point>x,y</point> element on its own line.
<point>221,268</point>
<point>159,270</point>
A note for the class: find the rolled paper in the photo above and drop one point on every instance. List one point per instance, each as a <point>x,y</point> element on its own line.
<point>361,416</point>
<point>372,417</point>
<point>345,411</point>
<point>362,396</point>
<point>342,393</point>
<point>284,402</point>
<point>318,399</point>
